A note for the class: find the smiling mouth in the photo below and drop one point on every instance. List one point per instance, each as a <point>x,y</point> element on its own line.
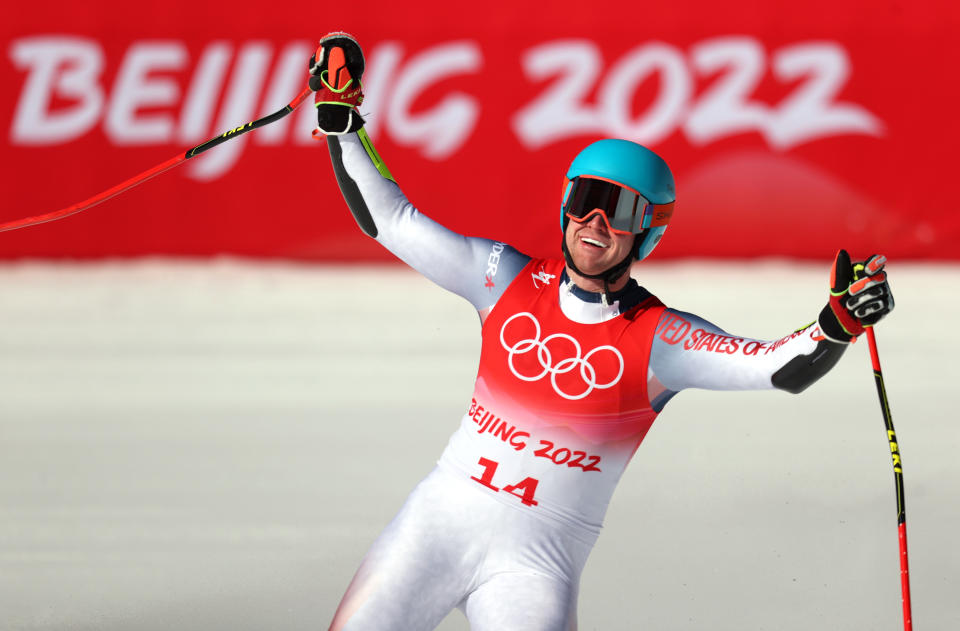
<point>594,242</point>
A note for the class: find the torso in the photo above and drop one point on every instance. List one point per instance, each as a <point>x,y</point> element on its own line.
<point>559,406</point>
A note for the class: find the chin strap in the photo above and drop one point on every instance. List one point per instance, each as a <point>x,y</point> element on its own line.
<point>609,276</point>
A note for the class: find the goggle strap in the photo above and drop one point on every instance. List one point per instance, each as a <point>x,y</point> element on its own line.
<point>660,215</point>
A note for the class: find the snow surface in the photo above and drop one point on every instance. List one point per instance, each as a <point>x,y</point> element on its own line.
<point>213,445</point>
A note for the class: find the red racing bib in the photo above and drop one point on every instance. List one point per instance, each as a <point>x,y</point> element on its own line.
<point>559,407</point>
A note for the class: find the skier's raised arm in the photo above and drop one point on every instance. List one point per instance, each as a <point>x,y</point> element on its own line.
<point>475,268</point>
<point>690,352</point>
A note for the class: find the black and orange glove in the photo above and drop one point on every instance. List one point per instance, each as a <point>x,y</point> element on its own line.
<point>859,297</point>
<point>335,71</point>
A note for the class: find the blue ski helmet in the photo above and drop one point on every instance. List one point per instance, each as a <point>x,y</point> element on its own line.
<point>625,164</point>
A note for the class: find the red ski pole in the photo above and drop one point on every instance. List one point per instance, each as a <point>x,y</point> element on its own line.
<point>898,478</point>
<point>157,170</point>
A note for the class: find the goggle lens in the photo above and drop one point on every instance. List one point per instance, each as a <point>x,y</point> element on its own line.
<point>624,208</point>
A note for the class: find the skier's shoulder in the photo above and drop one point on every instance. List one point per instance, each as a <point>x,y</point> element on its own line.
<point>637,298</point>
<point>676,323</point>
<point>501,262</point>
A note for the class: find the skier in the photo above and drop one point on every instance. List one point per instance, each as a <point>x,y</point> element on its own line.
<point>576,362</point>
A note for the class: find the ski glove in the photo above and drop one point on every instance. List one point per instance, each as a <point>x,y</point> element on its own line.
<point>335,72</point>
<point>859,297</point>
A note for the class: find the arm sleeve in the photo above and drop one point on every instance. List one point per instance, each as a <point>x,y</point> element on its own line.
<point>690,352</point>
<point>477,269</point>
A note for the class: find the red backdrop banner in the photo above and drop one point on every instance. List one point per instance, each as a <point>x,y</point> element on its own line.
<point>791,130</point>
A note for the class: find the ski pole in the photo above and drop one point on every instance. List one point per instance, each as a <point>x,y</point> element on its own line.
<point>898,478</point>
<point>157,170</point>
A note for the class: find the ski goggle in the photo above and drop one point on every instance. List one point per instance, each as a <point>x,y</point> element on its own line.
<point>626,211</point>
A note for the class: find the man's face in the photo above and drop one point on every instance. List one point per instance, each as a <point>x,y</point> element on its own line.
<point>594,247</point>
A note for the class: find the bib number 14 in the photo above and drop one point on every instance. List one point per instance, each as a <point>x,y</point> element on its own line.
<point>524,489</point>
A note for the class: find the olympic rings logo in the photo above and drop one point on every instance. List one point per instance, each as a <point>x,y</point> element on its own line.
<point>545,358</point>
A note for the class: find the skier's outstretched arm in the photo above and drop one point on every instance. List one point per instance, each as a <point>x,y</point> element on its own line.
<point>690,352</point>
<point>475,268</point>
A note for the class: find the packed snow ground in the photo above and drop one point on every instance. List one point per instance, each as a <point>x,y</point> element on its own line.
<point>200,446</point>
